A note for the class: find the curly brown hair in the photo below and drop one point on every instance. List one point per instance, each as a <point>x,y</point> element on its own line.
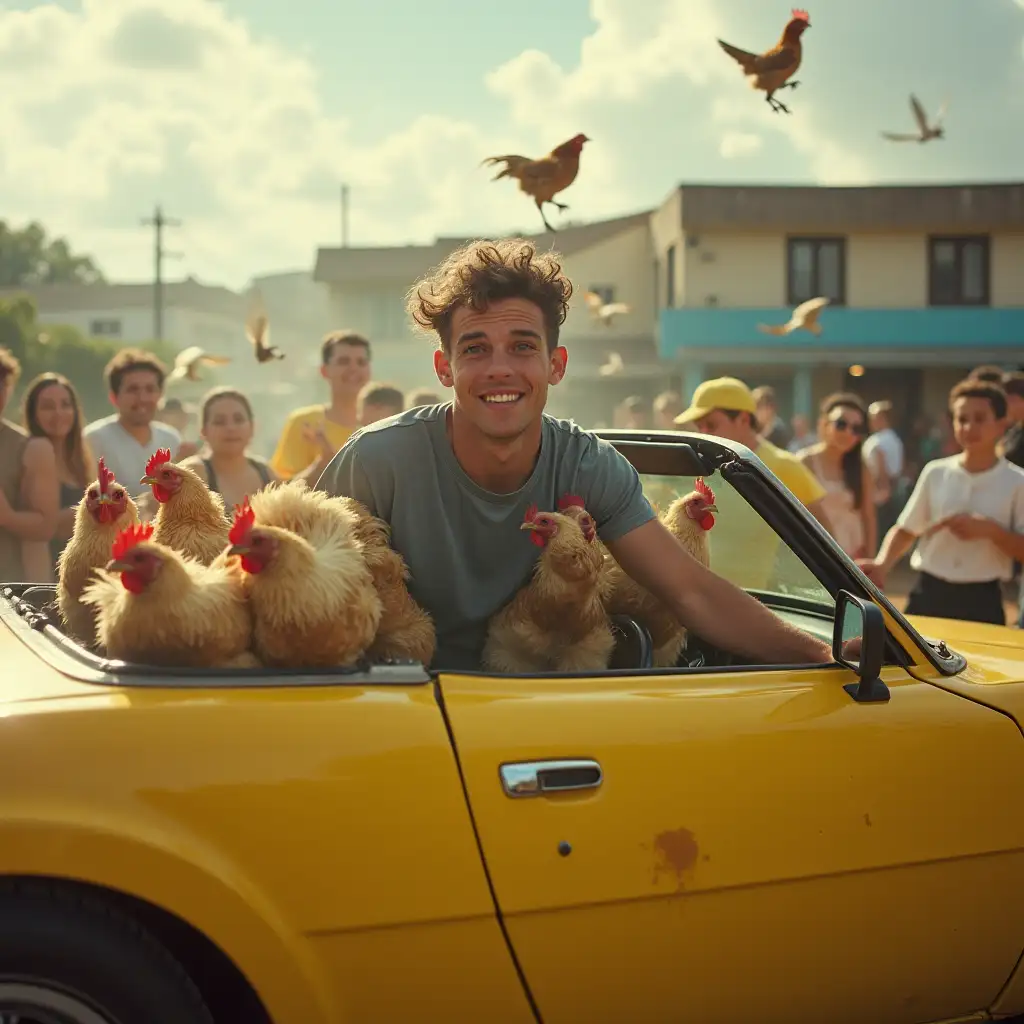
<point>128,360</point>
<point>483,272</point>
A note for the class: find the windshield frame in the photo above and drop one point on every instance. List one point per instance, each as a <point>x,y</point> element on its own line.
<point>702,454</point>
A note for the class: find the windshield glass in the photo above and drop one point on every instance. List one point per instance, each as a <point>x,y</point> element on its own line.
<point>744,549</point>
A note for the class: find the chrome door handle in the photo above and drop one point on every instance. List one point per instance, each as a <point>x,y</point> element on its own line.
<point>532,778</point>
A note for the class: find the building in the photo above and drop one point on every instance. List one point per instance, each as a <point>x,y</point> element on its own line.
<point>193,313</point>
<point>367,289</point>
<point>925,282</point>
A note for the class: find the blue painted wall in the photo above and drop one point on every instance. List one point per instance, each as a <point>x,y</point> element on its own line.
<point>932,327</point>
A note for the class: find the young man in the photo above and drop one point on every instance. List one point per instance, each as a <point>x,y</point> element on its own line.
<point>883,453</point>
<point>966,515</point>
<point>126,440</point>
<point>378,402</point>
<point>726,407</point>
<point>454,481</point>
<point>28,477</point>
<point>312,434</point>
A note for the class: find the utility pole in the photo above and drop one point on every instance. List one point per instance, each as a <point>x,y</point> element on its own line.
<point>344,216</point>
<point>159,222</point>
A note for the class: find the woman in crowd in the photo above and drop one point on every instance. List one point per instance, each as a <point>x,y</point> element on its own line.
<point>224,463</point>
<point>837,461</point>
<point>52,409</point>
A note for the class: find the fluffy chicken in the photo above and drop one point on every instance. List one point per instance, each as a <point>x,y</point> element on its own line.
<point>405,631</point>
<point>773,70</point>
<point>689,519</point>
<point>543,179</point>
<point>191,518</point>
<point>312,600</point>
<point>106,508</point>
<point>557,622</point>
<point>155,606</point>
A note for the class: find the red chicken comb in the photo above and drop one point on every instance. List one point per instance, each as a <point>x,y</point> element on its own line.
<point>129,537</point>
<point>105,477</point>
<point>799,15</point>
<point>570,501</point>
<point>703,490</point>
<point>243,522</point>
<point>158,458</point>
<point>531,513</point>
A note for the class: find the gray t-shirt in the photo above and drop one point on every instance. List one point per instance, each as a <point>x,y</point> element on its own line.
<point>465,551</point>
<point>123,455</point>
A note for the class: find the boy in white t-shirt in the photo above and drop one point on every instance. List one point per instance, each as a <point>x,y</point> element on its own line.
<point>966,515</point>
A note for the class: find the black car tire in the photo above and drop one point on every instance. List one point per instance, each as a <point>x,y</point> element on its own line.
<point>79,960</point>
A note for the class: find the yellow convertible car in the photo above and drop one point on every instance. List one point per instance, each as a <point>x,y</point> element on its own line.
<point>721,842</point>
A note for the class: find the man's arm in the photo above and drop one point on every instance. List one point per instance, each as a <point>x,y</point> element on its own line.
<point>41,492</point>
<point>818,511</point>
<point>710,606</point>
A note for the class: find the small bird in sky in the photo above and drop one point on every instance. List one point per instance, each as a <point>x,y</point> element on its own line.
<point>612,366</point>
<point>258,332</point>
<point>188,361</point>
<point>805,317</point>
<point>926,132</point>
<point>774,69</point>
<point>605,311</point>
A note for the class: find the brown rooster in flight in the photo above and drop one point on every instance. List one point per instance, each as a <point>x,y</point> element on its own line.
<point>543,179</point>
<point>773,70</point>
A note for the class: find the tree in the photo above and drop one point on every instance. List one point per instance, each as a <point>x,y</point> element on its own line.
<point>64,349</point>
<point>28,257</point>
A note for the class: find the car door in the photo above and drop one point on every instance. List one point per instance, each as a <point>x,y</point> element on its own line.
<point>745,844</point>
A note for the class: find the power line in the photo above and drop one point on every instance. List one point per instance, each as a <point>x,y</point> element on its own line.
<point>159,222</point>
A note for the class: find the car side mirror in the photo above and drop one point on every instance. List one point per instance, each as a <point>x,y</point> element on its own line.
<point>858,643</point>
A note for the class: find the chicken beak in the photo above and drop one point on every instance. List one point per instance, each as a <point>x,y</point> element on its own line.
<point>116,565</point>
<point>150,480</point>
<point>711,508</point>
<point>238,549</point>
<point>528,526</point>
<point>106,499</point>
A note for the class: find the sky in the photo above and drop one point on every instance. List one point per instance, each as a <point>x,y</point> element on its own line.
<point>243,117</point>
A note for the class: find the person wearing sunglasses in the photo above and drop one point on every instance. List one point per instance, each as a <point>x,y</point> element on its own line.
<point>837,460</point>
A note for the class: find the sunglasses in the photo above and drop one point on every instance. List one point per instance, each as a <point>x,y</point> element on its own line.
<point>843,424</point>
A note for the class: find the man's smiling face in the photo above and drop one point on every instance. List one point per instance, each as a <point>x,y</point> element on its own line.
<point>500,367</point>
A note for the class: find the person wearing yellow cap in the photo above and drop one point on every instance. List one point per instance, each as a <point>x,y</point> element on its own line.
<point>726,407</point>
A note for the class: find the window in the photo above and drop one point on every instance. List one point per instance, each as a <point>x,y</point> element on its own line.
<point>816,266</point>
<point>670,277</point>
<point>606,291</point>
<point>958,270</point>
<point>744,549</point>
<point>105,328</point>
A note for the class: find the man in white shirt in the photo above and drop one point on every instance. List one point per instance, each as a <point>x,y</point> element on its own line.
<point>966,515</point>
<point>883,453</point>
<point>126,440</point>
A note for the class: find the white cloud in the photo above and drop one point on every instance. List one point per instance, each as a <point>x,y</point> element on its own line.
<point>119,102</point>
<point>736,145</point>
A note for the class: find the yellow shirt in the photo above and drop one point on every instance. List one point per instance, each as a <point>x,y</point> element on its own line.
<point>744,549</point>
<point>294,450</point>
<point>792,472</point>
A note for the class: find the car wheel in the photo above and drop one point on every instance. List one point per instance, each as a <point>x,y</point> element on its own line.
<point>67,958</point>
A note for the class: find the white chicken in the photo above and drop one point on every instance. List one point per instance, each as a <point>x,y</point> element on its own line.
<point>188,361</point>
<point>804,317</point>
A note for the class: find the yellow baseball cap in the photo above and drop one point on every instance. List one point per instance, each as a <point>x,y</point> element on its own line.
<point>720,393</point>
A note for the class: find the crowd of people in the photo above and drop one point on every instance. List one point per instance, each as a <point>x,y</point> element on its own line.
<point>958,503</point>
<point>48,459</point>
<point>961,511</point>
